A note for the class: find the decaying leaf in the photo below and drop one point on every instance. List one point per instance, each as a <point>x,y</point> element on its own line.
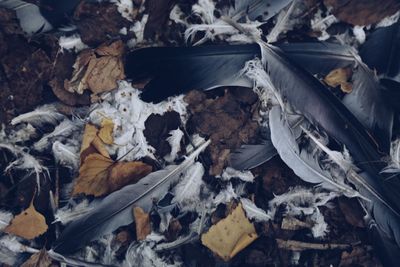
<point>230,235</point>
<point>340,77</point>
<point>99,175</point>
<point>40,259</point>
<point>142,221</point>
<point>91,143</point>
<point>362,12</point>
<point>28,224</point>
<point>106,131</point>
<point>97,70</point>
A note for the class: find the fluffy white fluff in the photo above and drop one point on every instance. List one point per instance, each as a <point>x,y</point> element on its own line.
<point>187,191</point>
<point>46,114</point>
<point>230,172</point>
<point>125,8</point>
<point>68,214</point>
<point>142,254</point>
<point>129,113</point>
<point>175,142</point>
<point>359,34</point>
<point>304,201</point>
<point>321,24</point>
<point>213,27</point>
<point>177,16</point>
<point>253,212</point>
<point>24,161</point>
<point>66,155</point>
<point>390,20</point>
<point>225,196</point>
<point>5,219</point>
<point>138,29</point>
<point>16,136</point>
<point>10,248</point>
<point>71,43</point>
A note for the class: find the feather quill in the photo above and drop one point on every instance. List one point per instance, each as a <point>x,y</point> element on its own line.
<point>115,209</point>
<point>301,162</point>
<point>282,23</point>
<point>46,114</point>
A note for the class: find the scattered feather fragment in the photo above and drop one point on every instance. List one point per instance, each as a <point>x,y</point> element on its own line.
<point>66,155</point>
<point>175,142</point>
<point>46,114</point>
<point>230,172</point>
<point>72,43</point>
<point>5,219</point>
<point>253,212</point>
<point>230,235</point>
<point>68,214</point>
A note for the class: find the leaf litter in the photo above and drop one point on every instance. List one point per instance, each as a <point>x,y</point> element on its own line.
<point>266,216</point>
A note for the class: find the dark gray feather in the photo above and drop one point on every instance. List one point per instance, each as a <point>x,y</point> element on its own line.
<point>115,210</point>
<point>250,156</point>
<point>254,9</point>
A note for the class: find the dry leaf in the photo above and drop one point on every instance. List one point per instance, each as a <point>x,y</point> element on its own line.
<point>40,259</point>
<point>340,77</point>
<point>91,143</point>
<point>106,131</point>
<point>28,224</point>
<point>97,73</point>
<point>100,175</point>
<point>142,221</point>
<point>230,235</point>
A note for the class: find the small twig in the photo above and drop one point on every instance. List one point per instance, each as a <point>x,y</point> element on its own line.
<point>301,246</point>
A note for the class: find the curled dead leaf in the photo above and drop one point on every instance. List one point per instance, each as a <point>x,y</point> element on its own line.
<point>28,224</point>
<point>91,143</point>
<point>230,235</point>
<point>99,175</point>
<point>142,222</point>
<point>97,70</point>
<point>340,77</point>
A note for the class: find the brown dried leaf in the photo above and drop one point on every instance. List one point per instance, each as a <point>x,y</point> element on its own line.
<point>123,173</point>
<point>230,235</point>
<point>103,74</point>
<point>106,131</point>
<point>142,221</point>
<point>98,74</point>
<point>40,259</point>
<point>340,77</point>
<point>100,175</point>
<point>28,224</point>
<point>93,176</point>
<point>362,12</point>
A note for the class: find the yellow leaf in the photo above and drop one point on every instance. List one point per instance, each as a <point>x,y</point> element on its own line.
<point>142,222</point>
<point>100,175</point>
<point>230,235</point>
<point>340,77</point>
<point>28,224</point>
<point>91,143</point>
<point>106,131</point>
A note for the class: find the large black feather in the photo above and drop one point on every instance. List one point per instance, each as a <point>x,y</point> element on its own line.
<point>177,70</point>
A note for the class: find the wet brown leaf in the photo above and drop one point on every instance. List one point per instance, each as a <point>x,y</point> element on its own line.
<point>230,235</point>
<point>40,259</point>
<point>99,175</point>
<point>340,77</point>
<point>362,12</point>
<point>142,222</point>
<point>28,224</point>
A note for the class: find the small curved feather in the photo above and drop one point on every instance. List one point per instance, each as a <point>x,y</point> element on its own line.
<point>63,130</point>
<point>253,212</point>
<point>115,210</point>
<point>46,114</point>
